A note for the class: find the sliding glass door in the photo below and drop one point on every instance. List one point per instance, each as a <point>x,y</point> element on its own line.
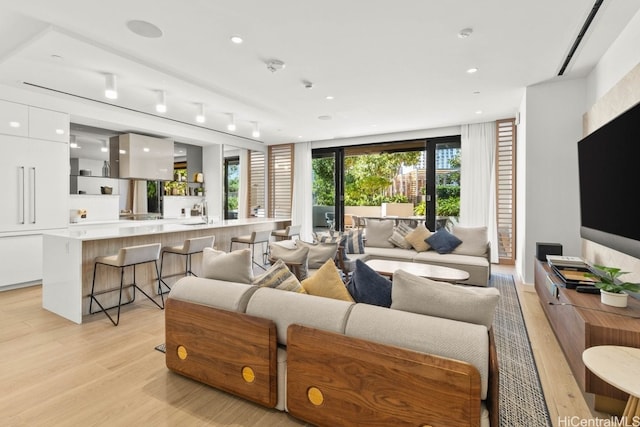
<point>417,179</point>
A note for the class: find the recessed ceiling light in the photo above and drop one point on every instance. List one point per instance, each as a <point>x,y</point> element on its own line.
<point>479,112</point>
<point>60,131</point>
<point>14,124</point>
<point>329,97</point>
<point>236,39</point>
<point>146,149</point>
<point>144,29</point>
<point>472,70</point>
<point>324,117</point>
<point>465,32</point>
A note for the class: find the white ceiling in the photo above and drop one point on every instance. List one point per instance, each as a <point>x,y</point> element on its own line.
<point>392,66</point>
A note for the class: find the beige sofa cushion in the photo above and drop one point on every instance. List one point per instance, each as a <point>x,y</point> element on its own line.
<point>221,294</point>
<point>440,299</point>
<point>474,240</point>
<point>286,308</point>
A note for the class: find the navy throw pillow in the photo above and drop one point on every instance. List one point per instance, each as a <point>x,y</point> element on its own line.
<point>443,242</point>
<point>369,287</point>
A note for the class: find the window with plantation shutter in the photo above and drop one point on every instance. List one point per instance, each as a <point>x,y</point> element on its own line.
<point>256,191</point>
<point>280,180</point>
<point>506,189</point>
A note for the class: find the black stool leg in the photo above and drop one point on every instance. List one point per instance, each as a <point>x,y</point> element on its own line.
<point>160,279</point>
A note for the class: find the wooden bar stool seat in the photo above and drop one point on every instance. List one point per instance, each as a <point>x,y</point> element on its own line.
<point>126,257</point>
<point>188,248</point>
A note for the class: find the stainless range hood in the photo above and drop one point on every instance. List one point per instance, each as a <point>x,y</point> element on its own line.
<point>136,156</point>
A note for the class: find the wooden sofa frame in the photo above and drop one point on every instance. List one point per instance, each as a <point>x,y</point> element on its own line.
<point>359,381</point>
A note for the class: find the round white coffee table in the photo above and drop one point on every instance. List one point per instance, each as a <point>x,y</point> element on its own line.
<point>620,367</point>
<point>435,272</point>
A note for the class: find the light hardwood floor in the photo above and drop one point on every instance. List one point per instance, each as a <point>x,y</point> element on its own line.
<point>56,373</point>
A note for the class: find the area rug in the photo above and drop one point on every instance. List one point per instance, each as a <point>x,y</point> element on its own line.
<point>522,400</point>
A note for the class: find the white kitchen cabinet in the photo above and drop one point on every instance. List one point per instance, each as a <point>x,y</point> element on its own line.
<point>49,125</point>
<point>14,118</point>
<point>35,180</point>
<point>21,259</point>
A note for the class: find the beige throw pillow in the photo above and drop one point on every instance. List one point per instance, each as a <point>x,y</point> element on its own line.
<point>474,240</point>
<point>440,299</point>
<point>295,255</point>
<point>232,267</point>
<point>378,232</point>
<point>417,238</point>
<point>319,253</point>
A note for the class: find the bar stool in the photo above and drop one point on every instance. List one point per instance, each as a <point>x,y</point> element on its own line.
<point>188,248</point>
<point>252,239</point>
<point>287,233</point>
<point>126,257</point>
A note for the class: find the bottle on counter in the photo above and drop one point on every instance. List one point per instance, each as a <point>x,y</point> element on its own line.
<point>106,169</point>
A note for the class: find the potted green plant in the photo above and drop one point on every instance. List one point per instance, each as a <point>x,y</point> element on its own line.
<point>612,290</point>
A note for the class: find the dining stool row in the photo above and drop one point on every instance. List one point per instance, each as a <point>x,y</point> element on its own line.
<point>132,256</point>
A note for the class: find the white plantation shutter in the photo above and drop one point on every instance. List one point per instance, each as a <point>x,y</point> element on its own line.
<point>280,180</point>
<point>256,192</point>
<point>506,189</point>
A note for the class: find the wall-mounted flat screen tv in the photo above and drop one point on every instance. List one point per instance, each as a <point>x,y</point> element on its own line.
<point>609,175</point>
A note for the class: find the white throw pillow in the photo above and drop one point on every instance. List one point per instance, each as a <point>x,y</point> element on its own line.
<point>232,267</point>
<point>440,299</point>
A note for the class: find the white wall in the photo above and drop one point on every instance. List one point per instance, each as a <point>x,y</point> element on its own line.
<point>549,190</point>
<point>619,59</point>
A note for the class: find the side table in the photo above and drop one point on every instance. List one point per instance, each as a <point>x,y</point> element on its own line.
<point>620,367</point>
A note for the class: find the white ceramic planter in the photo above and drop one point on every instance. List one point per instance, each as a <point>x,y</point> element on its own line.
<point>613,299</point>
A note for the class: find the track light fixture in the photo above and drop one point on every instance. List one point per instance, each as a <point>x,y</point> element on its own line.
<point>161,105</point>
<point>200,116</point>
<point>110,87</point>
<point>256,130</point>
<point>232,123</point>
<point>104,148</point>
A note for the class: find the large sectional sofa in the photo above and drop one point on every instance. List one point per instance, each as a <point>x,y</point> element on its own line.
<point>383,239</point>
<point>429,359</point>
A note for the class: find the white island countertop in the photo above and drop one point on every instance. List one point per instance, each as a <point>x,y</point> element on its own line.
<point>69,256</point>
<point>125,228</point>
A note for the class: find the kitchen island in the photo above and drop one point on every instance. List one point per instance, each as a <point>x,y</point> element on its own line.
<point>69,254</point>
